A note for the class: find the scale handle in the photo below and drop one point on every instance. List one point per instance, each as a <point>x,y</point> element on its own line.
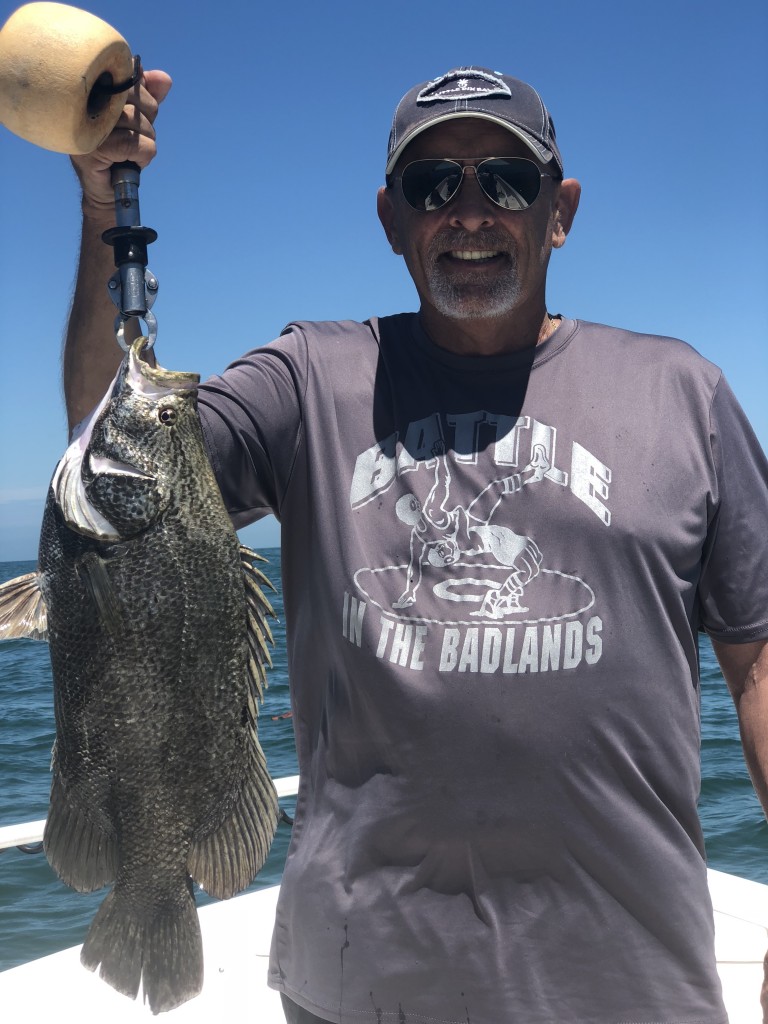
<point>130,241</point>
<point>126,176</point>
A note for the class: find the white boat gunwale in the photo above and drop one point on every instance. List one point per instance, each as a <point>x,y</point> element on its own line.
<point>237,937</point>
<point>30,832</point>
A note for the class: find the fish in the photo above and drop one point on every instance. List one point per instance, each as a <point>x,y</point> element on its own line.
<point>157,625</point>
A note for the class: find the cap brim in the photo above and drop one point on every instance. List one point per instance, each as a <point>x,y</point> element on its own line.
<point>539,151</point>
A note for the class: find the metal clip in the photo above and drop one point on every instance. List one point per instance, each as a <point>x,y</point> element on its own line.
<point>149,320</point>
<point>151,286</point>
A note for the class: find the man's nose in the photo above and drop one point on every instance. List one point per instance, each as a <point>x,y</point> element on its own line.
<point>471,209</point>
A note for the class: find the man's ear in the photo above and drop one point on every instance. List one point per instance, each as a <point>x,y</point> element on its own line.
<point>386,211</point>
<point>565,210</point>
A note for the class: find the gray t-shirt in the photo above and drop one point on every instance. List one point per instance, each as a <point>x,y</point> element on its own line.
<point>494,572</point>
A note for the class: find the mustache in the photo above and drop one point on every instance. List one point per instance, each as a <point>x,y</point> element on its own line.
<point>447,240</point>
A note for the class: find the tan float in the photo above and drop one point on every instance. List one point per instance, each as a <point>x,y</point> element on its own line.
<point>57,64</point>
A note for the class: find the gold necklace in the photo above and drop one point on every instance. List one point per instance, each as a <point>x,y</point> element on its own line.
<point>554,323</point>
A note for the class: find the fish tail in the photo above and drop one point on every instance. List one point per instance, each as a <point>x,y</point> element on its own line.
<point>163,952</point>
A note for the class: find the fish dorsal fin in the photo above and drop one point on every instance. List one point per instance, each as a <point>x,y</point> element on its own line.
<point>259,632</point>
<point>226,860</point>
<point>22,609</point>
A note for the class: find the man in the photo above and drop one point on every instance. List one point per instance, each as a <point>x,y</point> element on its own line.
<point>497,817</point>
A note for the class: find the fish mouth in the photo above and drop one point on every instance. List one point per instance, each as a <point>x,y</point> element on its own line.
<point>155,381</point>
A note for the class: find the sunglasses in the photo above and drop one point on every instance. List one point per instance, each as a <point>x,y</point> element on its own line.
<point>513,183</point>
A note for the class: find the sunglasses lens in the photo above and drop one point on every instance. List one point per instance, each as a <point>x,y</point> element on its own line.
<point>430,184</point>
<point>511,184</point>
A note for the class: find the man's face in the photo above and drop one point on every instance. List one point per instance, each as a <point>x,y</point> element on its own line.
<point>471,259</point>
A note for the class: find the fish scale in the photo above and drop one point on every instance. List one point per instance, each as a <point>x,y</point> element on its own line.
<point>157,629</point>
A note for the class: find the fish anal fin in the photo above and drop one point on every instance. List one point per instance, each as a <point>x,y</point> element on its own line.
<point>227,860</point>
<point>22,609</point>
<point>80,851</point>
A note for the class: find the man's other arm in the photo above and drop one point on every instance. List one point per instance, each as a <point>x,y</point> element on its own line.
<point>745,667</point>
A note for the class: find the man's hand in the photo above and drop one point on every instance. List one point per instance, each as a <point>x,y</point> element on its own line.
<point>132,138</point>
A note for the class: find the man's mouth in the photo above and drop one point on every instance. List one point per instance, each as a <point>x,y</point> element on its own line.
<point>473,254</point>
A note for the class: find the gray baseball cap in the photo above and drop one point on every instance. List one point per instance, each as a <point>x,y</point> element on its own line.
<point>475,92</point>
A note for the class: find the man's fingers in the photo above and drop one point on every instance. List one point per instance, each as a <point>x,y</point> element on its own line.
<point>128,144</point>
<point>136,120</point>
<point>158,84</point>
<point>124,143</point>
<point>144,100</point>
<point>132,138</point>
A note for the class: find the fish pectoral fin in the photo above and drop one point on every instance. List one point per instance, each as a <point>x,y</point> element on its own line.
<point>227,860</point>
<point>92,571</point>
<point>80,852</point>
<point>22,609</point>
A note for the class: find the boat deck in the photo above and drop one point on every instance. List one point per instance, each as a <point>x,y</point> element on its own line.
<point>236,941</point>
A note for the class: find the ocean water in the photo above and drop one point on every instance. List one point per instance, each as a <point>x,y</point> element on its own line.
<point>39,914</point>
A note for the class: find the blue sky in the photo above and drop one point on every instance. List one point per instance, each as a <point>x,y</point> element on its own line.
<point>272,147</point>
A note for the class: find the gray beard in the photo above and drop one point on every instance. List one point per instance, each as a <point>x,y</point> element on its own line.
<point>473,298</point>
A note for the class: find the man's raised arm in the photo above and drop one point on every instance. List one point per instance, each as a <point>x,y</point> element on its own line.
<point>91,355</point>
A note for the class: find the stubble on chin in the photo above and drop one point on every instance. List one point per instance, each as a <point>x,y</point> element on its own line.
<point>471,294</point>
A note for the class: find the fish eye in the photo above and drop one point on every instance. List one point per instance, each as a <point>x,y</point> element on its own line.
<point>167,416</point>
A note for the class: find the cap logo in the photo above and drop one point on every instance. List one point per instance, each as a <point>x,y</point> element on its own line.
<point>463,83</point>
